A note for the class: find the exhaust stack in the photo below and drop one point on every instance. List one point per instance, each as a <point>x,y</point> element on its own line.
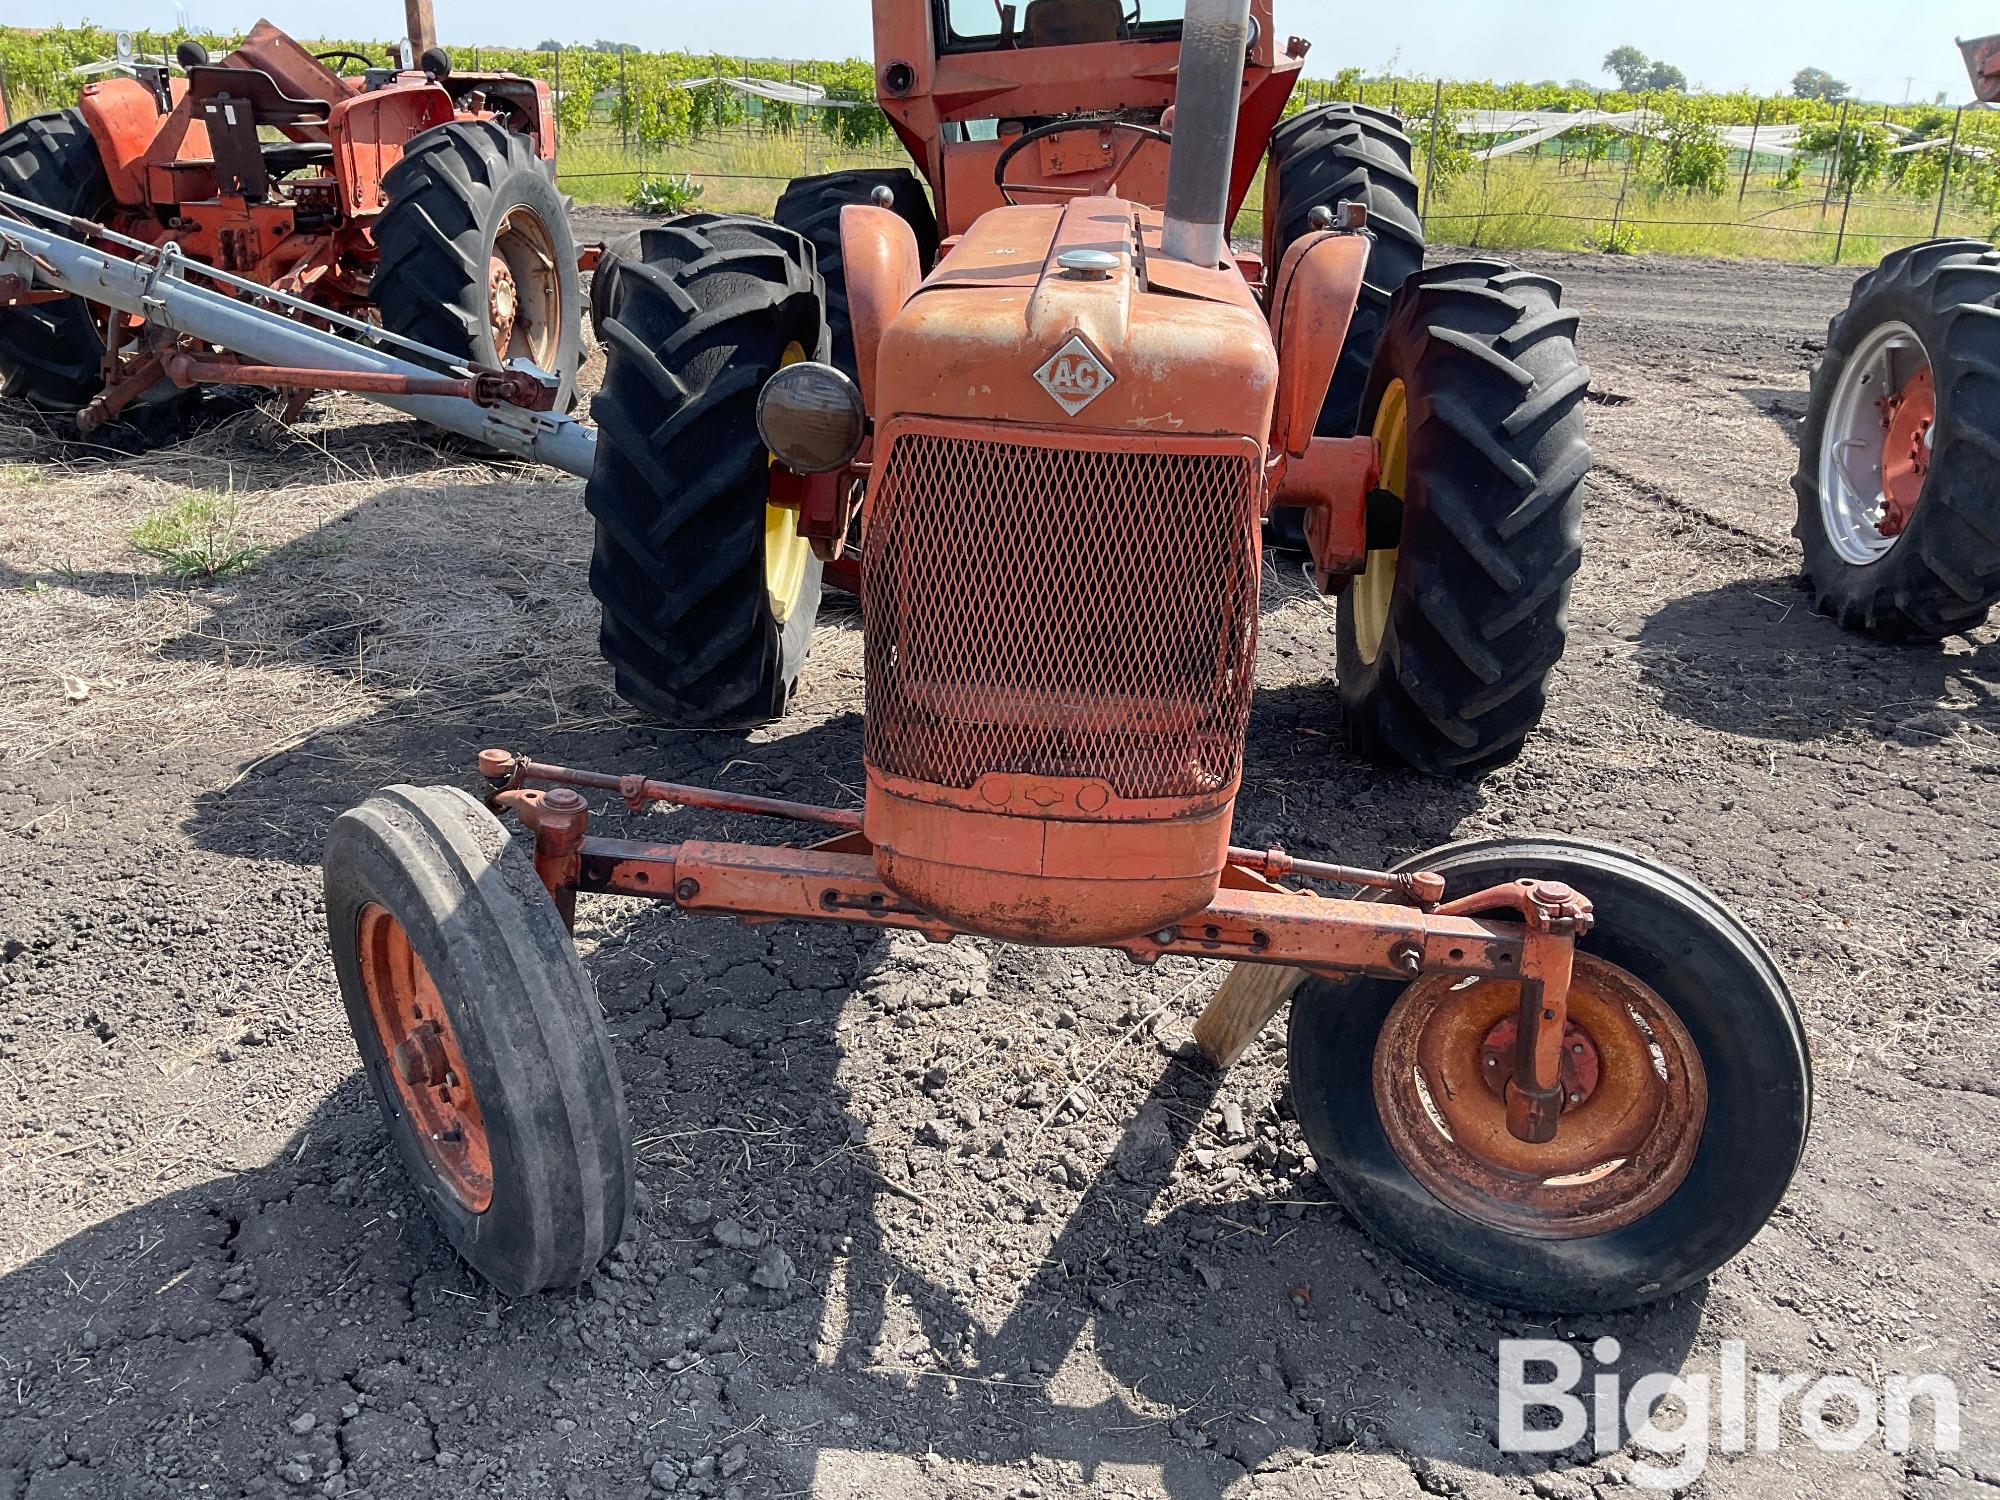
<point>1215,35</point>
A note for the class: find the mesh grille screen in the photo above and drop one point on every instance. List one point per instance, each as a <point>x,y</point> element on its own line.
<point>1060,612</point>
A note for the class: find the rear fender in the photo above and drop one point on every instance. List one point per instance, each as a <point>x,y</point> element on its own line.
<point>883,268</point>
<point>124,119</point>
<point>370,132</point>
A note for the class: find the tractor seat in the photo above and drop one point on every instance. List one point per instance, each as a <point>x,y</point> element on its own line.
<point>284,157</point>
<point>271,104</point>
<point>1073,23</point>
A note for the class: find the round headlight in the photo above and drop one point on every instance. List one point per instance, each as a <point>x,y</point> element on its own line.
<point>810,417</point>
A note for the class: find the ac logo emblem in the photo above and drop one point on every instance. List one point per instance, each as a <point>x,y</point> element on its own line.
<point>1075,376</point>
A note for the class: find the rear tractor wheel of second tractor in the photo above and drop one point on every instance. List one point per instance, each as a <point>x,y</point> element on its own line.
<point>1446,642</point>
<point>477,258</point>
<point>709,593</point>
<point>1899,462</point>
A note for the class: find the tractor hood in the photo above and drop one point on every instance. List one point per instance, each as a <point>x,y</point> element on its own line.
<point>1121,339</point>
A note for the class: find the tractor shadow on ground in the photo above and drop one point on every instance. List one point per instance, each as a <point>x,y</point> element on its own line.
<point>1754,658</point>
<point>316,1283</point>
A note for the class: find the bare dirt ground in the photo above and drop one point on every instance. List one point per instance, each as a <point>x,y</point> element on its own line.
<point>214,1281</point>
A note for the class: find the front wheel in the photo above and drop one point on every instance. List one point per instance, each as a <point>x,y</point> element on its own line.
<point>1898,483</point>
<point>1689,1096</point>
<point>480,1035</point>
<point>1446,642</point>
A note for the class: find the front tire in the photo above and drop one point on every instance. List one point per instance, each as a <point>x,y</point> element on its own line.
<point>480,1034</point>
<point>1446,642</point>
<point>1899,510</point>
<point>477,258</point>
<point>1716,1013</point>
<point>51,353</point>
<point>709,594</point>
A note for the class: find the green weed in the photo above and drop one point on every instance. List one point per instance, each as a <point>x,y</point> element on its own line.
<point>197,538</point>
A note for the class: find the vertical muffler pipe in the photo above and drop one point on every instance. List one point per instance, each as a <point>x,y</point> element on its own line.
<point>1215,36</point>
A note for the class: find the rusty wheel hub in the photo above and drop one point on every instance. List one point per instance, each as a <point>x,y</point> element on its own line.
<point>426,1061</point>
<point>503,303</point>
<point>1907,417</point>
<point>1634,1099</point>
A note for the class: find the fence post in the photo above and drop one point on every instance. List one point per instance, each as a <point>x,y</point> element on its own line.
<point>624,108</point>
<point>1750,157</point>
<point>558,94</point>
<point>1618,208</point>
<point>1840,240</point>
<point>6,113</point>
<point>1396,96</point>
<point>1950,156</point>
<point>1836,162</point>
<point>1430,160</point>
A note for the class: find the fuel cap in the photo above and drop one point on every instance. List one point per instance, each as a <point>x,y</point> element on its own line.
<point>1088,265</point>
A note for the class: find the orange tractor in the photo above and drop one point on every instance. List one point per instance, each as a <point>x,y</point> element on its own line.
<point>417,197</point>
<point>1899,462</point>
<point>1547,1072</point>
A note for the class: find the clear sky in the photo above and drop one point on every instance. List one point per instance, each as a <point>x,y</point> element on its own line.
<point>1873,44</point>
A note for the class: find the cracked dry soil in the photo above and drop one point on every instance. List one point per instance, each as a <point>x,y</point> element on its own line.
<point>918,1221</point>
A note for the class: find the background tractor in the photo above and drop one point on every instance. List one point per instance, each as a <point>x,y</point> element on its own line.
<point>410,194</point>
<point>1899,462</point>
<point>1547,1072</point>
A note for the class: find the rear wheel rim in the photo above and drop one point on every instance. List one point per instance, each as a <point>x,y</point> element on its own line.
<point>1632,1116</point>
<point>524,309</point>
<point>786,554</point>
<point>426,1063</point>
<point>1369,593</point>
<point>1875,456</point>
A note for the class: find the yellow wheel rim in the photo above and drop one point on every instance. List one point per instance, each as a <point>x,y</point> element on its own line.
<point>787,555</point>
<point>1369,594</point>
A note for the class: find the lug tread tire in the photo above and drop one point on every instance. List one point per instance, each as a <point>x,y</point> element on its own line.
<point>701,318</point>
<point>812,205</point>
<point>1680,940</point>
<point>446,200</point>
<point>1334,152</point>
<point>50,353</point>
<point>1943,575</point>
<point>1492,521</point>
<point>523,1009</point>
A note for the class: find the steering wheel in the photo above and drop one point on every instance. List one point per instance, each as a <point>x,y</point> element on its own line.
<point>1102,180</point>
<point>361,57</point>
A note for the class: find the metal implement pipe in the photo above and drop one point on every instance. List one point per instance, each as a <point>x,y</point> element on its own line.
<point>1215,35</point>
<point>153,288</point>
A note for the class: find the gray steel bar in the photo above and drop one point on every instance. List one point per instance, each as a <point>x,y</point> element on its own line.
<point>155,288</point>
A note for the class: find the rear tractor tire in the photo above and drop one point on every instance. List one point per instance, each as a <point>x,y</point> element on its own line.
<point>708,592</point>
<point>1322,157</point>
<point>1446,642</point>
<point>1688,1096</point>
<point>812,205</point>
<point>477,258</point>
<point>1899,462</point>
<point>480,1035</point>
<point>52,353</point>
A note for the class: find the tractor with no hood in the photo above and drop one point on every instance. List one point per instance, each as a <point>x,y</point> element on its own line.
<point>1548,1072</point>
<point>410,194</point>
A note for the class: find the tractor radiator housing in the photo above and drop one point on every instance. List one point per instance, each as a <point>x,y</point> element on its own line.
<point>1061,631</point>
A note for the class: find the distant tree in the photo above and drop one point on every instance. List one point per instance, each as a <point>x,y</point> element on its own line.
<point>600,45</point>
<point>1628,65</point>
<point>548,46</point>
<point>1817,83</point>
<point>1582,84</point>
<point>1663,75</point>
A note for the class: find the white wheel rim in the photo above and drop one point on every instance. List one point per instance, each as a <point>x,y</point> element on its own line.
<point>1852,504</point>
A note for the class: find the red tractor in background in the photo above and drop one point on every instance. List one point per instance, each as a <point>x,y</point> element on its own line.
<point>1899,463</point>
<point>420,197</point>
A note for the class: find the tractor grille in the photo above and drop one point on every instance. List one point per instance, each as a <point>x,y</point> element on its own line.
<point>1038,610</point>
